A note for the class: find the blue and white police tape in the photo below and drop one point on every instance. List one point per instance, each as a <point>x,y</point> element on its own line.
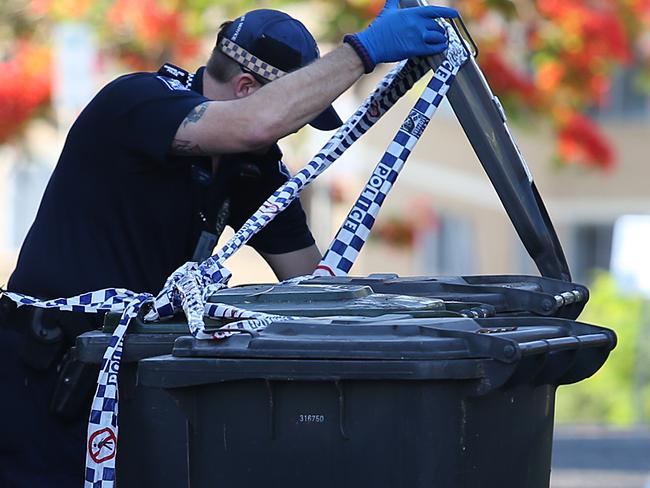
<point>109,299</point>
<point>101,449</point>
<point>212,271</point>
<point>353,233</point>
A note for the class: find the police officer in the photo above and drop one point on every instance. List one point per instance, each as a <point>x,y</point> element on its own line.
<point>151,171</point>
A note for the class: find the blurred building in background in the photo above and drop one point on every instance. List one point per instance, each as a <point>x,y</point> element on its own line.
<point>442,217</point>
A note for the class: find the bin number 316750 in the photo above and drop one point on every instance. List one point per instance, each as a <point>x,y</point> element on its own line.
<point>311,419</point>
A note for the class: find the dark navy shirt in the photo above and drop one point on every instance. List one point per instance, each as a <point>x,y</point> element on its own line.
<point>120,211</point>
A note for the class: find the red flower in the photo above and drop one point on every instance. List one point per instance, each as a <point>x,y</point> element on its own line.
<point>153,28</point>
<point>25,88</point>
<point>395,231</point>
<point>642,9</point>
<point>504,79</point>
<point>589,30</point>
<point>373,8</point>
<point>581,142</point>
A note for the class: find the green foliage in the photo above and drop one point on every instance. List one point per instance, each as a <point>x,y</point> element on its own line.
<point>506,7</point>
<point>610,395</point>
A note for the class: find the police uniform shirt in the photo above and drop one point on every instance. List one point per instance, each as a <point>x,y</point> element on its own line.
<point>121,211</point>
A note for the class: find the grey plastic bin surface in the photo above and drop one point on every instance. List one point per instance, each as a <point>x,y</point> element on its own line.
<point>320,300</point>
<point>348,403</point>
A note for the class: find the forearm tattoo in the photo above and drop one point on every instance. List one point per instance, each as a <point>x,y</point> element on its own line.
<point>186,148</point>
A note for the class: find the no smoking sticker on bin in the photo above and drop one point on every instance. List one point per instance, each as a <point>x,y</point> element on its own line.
<point>102,445</point>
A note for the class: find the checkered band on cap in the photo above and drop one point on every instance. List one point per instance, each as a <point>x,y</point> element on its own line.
<point>250,62</point>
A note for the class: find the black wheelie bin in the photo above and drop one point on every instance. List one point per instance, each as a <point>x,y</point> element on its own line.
<point>445,399</point>
<point>153,440</point>
<point>413,403</point>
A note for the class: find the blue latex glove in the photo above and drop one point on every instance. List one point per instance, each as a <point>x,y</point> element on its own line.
<point>398,34</point>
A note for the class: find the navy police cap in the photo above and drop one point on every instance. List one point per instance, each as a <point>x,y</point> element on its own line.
<point>270,44</point>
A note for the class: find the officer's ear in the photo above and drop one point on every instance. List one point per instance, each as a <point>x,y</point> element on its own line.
<point>245,84</point>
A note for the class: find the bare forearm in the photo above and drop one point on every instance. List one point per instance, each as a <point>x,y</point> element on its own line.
<point>257,119</point>
<point>272,112</point>
<point>296,99</point>
<point>295,263</point>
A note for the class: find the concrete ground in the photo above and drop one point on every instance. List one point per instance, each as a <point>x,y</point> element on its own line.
<point>598,457</point>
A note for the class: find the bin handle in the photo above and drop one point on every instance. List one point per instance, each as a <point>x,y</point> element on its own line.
<point>564,343</point>
<point>240,331</point>
<point>467,37</point>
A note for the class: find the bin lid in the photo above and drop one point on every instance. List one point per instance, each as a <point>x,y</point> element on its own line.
<point>322,300</point>
<point>309,301</point>
<point>506,293</point>
<point>91,346</point>
<point>378,338</point>
<point>282,293</point>
<point>499,349</point>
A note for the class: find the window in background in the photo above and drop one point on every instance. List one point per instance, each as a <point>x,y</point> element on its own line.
<point>591,248</point>
<point>447,249</point>
<point>627,101</point>
<point>523,263</point>
<point>27,184</point>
